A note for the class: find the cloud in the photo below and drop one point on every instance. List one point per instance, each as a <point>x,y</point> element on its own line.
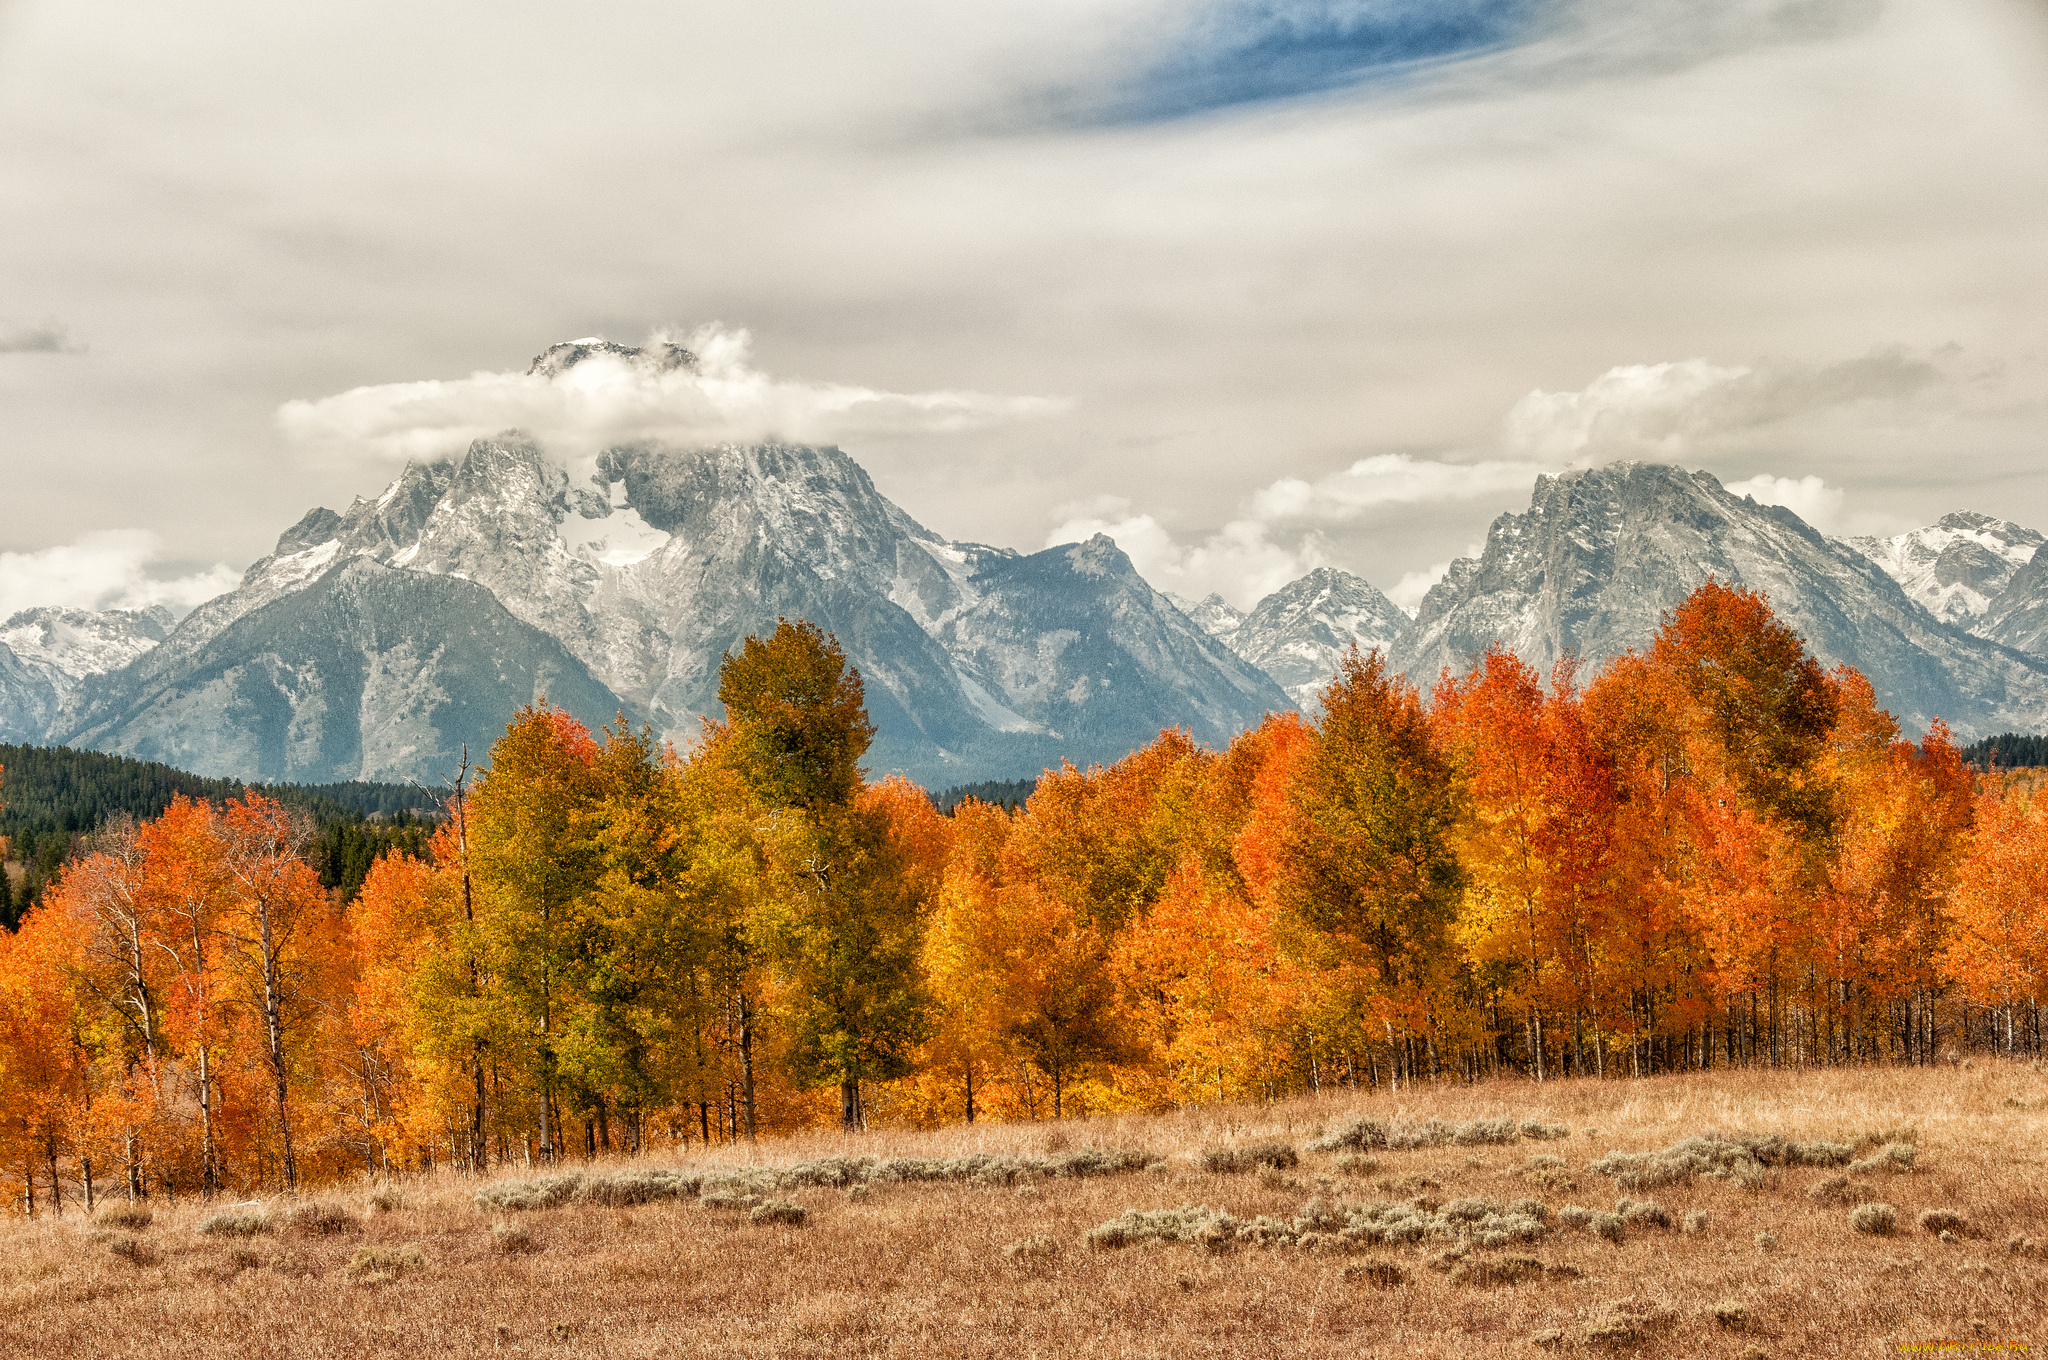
<point>1388,479</point>
<point>612,397</point>
<point>1284,532</point>
<point>1238,562</point>
<point>1667,410</point>
<point>1409,590</point>
<point>1810,498</point>
<point>47,337</point>
<point>105,570</point>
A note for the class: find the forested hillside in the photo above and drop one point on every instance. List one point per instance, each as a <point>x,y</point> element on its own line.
<point>1715,854</point>
<point>51,796</point>
<point>2011,751</point>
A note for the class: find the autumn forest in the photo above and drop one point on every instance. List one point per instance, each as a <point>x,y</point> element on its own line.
<point>1711,853</point>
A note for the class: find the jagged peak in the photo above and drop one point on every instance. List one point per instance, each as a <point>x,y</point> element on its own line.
<point>659,357</point>
<point>1099,556</point>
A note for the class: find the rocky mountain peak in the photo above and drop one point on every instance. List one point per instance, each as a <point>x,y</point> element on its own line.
<point>1956,566</point>
<point>1601,555</point>
<point>1213,614</point>
<point>1301,632</point>
<point>660,357</point>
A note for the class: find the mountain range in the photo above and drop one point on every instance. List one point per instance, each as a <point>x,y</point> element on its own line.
<point>375,642</point>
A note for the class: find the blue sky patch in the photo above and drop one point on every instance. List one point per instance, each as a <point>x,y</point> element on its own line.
<point>1253,51</point>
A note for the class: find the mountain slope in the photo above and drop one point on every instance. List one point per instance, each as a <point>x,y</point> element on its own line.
<point>368,673</point>
<point>2018,618</point>
<point>1601,555</point>
<point>1300,633</point>
<point>46,653</point>
<point>1956,566</point>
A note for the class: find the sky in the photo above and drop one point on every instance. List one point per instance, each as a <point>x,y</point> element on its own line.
<point>1254,286</point>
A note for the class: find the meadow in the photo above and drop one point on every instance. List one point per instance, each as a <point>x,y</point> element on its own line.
<point>1349,1224</point>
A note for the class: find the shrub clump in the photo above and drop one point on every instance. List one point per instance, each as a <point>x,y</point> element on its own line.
<point>1575,1216</point>
<point>1628,1323</point>
<point>737,1189</point>
<point>136,1251</point>
<point>1767,1241</point>
<point>1741,1157</point>
<point>1032,1249</point>
<point>1357,1164</point>
<point>133,1217</point>
<point>1642,1211</point>
<point>1941,1221</point>
<point>1364,1135</point>
<point>1876,1219</point>
<point>1251,1156</point>
<point>1321,1225</point>
<point>381,1265</point>
<point>1696,1221</point>
<point>778,1211</point>
<point>386,1198</point>
<point>1732,1315</point>
<point>1892,1157</point>
<point>236,1223</point>
<point>1832,1190</point>
<point>511,1239</point>
<point>319,1219</point>
<point>1610,1227</point>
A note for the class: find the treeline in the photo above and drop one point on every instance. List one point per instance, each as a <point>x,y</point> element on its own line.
<point>1715,853</point>
<point>2008,751</point>
<point>52,796</point>
<point>1009,794</point>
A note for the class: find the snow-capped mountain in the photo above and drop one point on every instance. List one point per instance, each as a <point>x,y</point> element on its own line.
<point>46,653</point>
<point>1213,615</point>
<point>1956,566</point>
<point>1300,632</point>
<point>1601,555</point>
<point>646,567</point>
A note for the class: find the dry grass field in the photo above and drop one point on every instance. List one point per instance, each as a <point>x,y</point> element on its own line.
<point>920,1268</point>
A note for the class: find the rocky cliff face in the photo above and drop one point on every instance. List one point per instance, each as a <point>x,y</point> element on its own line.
<point>1956,566</point>
<point>1300,633</point>
<point>1601,555</point>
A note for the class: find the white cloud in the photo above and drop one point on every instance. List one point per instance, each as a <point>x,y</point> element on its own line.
<point>1407,593</point>
<point>1281,535</point>
<point>1388,479</point>
<point>607,399</point>
<point>106,570</point>
<point>1810,498</point>
<point>1238,562</point>
<point>1668,410</point>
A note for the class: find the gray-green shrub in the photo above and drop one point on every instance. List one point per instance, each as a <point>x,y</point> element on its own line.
<point>1877,1219</point>
<point>236,1223</point>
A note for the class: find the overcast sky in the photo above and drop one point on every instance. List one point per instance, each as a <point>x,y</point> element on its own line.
<point>1253,285</point>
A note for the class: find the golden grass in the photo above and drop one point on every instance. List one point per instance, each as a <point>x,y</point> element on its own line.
<point>940,1269</point>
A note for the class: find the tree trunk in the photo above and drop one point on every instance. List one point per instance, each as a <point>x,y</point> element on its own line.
<point>273,1021</point>
<point>747,1059</point>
